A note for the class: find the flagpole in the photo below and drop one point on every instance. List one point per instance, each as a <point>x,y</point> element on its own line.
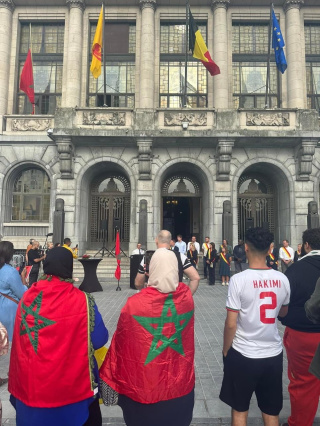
<point>269,56</point>
<point>185,98</point>
<point>104,59</point>
<point>30,47</point>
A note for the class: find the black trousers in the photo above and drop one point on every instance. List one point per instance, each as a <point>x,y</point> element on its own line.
<point>212,275</point>
<point>33,277</point>
<point>174,412</point>
<point>205,267</point>
<point>95,418</point>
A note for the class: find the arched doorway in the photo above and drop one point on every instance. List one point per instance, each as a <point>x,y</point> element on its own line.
<point>255,204</point>
<point>264,199</point>
<point>109,209</point>
<point>181,206</point>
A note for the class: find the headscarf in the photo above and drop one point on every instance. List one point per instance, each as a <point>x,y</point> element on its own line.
<point>59,262</point>
<point>164,271</point>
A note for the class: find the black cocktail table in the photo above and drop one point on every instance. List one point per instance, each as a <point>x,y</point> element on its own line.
<point>90,281</point>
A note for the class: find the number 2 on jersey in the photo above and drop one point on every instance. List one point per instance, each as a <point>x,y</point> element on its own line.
<point>268,306</point>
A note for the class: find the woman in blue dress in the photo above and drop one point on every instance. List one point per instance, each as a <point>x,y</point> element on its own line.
<point>11,287</point>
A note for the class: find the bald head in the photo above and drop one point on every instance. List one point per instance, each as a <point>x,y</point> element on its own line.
<point>163,238</point>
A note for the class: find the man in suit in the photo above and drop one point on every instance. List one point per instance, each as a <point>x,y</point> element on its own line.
<point>173,247</point>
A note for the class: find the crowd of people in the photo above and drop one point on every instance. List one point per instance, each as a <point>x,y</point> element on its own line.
<point>55,329</point>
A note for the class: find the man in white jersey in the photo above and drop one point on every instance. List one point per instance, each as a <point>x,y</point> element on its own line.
<point>252,348</point>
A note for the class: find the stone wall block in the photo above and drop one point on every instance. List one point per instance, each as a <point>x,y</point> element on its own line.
<point>224,154</point>
<point>66,152</point>
<point>145,151</point>
<point>305,158</point>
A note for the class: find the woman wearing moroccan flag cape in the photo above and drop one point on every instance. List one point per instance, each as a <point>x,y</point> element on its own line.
<point>150,362</point>
<point>53,378</point>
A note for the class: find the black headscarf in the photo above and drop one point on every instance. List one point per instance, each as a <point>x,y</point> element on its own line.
<point>59,262</point>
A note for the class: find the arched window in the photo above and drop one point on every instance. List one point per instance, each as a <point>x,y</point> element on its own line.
<point>31,196</point>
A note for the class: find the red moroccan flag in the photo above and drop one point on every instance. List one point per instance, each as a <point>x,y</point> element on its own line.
<point>117,272</point>
<point>26,79</point>
<point>151,356</point>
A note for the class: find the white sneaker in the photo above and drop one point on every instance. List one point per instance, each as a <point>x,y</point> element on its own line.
<point>227,283</point>
<point>223,283</point>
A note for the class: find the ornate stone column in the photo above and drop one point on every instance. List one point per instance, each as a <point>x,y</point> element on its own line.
<point>65,150</point>
<point>6,10</point>
<point>145,149</point>
<point>74,62</point>
<point>219,53</point>
<point>224,153</point>
<point>307,150</point>
<point>293,52</point>
<point>148,8</point>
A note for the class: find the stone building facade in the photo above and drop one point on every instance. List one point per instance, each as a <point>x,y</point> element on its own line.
<point>147,161</point>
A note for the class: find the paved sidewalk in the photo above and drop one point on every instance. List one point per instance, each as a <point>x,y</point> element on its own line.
<point>210,315</point>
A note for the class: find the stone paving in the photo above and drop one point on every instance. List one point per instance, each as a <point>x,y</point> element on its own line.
<point>210,315</point>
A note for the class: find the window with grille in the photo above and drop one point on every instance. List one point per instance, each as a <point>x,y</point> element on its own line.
<point>312,45</point>
<point>47,44</point>
<point>172,69</point>
<point>31,196</point>
<point>249,67</point>
<point>120,47</point>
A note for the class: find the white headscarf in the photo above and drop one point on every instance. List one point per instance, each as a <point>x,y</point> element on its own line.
<point>164,271</point>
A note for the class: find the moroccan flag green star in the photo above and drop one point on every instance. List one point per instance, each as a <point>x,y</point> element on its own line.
<point>156,326</point>
<point>39,321</point>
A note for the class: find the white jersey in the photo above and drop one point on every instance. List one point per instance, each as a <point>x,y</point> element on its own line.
<point>258,295</point>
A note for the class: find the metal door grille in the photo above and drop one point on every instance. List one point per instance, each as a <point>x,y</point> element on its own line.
<point>107,206</point>
<point>257,203</point>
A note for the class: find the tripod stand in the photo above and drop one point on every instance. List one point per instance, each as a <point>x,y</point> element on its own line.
<point>112,251</point>
<point>104,248</point>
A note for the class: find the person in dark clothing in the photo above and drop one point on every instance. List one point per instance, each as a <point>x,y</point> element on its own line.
<point>298,253</point>
<point>312,307</point>
<point>302,337</point>
<point>173,247</point>
<point>192,255</point>
<point>211,259</point>
<point>272,258</point>
<point>239,256</point>
<point>34,259</point>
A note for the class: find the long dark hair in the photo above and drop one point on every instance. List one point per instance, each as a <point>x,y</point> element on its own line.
<point>6,252</point>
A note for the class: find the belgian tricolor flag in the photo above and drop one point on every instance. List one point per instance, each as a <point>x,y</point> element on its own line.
<point>199,48</point>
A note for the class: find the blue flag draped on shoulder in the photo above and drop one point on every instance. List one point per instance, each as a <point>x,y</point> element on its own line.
<point>278,44</point>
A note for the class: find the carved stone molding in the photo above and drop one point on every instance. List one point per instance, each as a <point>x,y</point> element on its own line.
<point>215,4</point>
<point>148,3</point>
<point>292,4</point>
<point>267,119</point>
<point>30,125</point>
<point>193,119</point>
<point>76,3</point>
<point>145,151</point>
<point>224,153</point>
<point>8,4</point>
<point>306,153</point>
<point>65,150</point>
<point>104,118</point>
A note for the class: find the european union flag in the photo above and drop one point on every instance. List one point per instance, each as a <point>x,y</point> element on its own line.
<point>278,44</point>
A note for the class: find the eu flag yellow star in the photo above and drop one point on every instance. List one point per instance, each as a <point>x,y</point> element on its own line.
<point>39,321</point>
<point>161,327</point>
